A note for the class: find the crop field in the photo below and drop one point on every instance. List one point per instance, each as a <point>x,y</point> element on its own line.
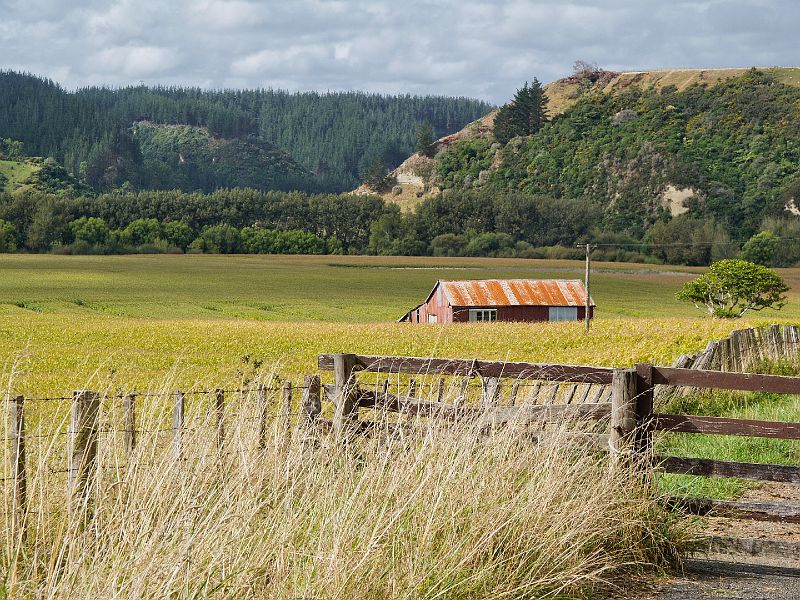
<point>122,322</point>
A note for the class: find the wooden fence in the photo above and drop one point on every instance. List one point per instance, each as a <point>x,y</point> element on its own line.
<point>632,420</point>
<point>275,407</point>
<point>744,350</point>
<point>616,405</point>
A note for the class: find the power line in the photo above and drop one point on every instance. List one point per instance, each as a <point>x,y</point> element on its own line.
<point>681,244</point>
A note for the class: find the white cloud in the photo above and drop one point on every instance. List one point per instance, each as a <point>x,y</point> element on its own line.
<point>226,14</point>
<point>133,61</point>
<point>464,47</point>
<point>295,59</point>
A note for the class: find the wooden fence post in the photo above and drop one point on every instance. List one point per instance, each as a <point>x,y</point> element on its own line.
<point>570,393</point>
<point>462,393</point>
<point>623,415</point>
<point>344,395</point>
<point>490,391</point>
<point>219,408</point>
<point>585,393</point>
<point>17,410</point>
<point>262,407</point>
<point>440,390</point>
<point>177,424</point>
<point>83,435</point>
<point>551,398</point>
<point>534,395</point>
<point>645,393</point>
<point>129,416</point>
<point>514,392</point>
<point>286,407</point>
<point>385,392</point>
<point>311,403</point>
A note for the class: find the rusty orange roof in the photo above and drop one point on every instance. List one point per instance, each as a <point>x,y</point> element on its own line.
<point>515,292</point>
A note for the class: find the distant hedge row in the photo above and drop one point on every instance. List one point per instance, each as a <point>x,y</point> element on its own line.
<point>461,223</point>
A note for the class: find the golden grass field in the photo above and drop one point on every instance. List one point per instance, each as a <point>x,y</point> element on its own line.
<point>126,322</point>
<point>444,514</point>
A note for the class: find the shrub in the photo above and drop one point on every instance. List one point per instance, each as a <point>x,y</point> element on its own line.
<point>218,239</point>
<point>142,231</point>
<point>730,288</point>
<point>8,236</point>
<point>92,231</point>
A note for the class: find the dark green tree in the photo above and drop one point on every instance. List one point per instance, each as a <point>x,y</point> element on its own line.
<point>142,231</point>
<point>524,115</point>
<point>730,288</point>
<point>761,248</point>
<point>177,233</point>
<point>8,236</point>
<point>91,230</point>
<point>425,139</point>
<point>218,239</point>
<point>47,226</point>
<point>377,178</point>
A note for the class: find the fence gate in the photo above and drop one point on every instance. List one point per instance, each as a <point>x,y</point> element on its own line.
<point>692,424</point>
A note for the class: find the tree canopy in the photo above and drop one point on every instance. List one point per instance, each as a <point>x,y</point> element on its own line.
<point>730,288</point>
<point>425,136</point>
<point>524,115</point>
<point>192,139</point>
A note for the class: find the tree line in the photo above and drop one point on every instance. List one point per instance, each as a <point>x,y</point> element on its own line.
<point>460,223</point>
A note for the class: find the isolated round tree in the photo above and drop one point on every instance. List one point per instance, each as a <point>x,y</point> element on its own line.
<point>730,288</point>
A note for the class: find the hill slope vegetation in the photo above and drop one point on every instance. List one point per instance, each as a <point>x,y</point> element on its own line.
<point>641,156</point>
<point>333,137</point>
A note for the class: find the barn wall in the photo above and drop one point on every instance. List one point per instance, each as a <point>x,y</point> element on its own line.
<point>516,313</point>
<point>431,307</point>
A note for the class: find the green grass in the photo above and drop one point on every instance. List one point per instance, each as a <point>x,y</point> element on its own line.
<point>16,173</point>
<point>787,75</point>
<point>311,288</point>
<point>767,407</point>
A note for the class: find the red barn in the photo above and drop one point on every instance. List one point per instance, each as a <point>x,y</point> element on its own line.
<point>503,300</point>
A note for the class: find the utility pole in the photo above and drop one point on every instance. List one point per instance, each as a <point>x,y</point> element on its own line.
<point>587,308</point>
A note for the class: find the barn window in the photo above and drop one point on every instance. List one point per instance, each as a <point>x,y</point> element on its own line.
<point>483,314</point>
<point>432,319</point>
<point>563,313</point>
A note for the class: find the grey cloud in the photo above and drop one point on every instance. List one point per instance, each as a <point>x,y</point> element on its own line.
<point>467,47</point>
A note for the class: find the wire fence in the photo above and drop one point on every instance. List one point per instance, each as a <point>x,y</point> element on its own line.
<point>129,417</point>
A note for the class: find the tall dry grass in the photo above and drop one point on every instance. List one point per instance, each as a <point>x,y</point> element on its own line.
<point>440,513</point>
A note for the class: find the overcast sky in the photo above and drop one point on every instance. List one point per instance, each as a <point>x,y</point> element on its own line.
<point>455,47</point>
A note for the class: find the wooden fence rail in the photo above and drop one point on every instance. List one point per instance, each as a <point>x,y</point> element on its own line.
<point>633,420</point>
<point>411,365</point>
<point>619,399</point>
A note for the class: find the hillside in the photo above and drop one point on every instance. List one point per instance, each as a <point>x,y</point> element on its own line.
<point>14,174</point>
<point>21,173</point>
<point>564,93</point>
<point>186,157</point>
<point>330,139</point>
<point>716,143</point>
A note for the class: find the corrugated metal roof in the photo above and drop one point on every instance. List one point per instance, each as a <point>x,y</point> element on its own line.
<point>515,292</point>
